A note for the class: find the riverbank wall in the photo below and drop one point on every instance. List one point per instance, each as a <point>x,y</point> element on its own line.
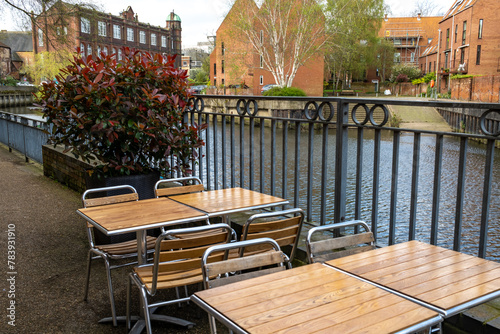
<point>16,96</point>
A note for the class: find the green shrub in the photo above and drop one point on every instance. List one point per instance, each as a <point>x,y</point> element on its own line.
<point>285,91</point>
<point>8,81</point>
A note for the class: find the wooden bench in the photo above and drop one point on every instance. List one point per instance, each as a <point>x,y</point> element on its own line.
<point>347,92</point>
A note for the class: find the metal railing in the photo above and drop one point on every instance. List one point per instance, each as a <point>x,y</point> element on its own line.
<point>23,134</point>
<point>338,159</point>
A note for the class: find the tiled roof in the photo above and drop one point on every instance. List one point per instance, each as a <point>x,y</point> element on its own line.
<point>458,6</point>
<point>17,40</point>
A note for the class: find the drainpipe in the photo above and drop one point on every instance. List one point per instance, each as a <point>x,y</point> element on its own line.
<point>438,77</point>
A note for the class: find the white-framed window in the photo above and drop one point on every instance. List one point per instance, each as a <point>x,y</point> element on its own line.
<point>153,39</point>
<point>261,79</point>
<point>98,50</point>
<point>119,54</point>
<point>117,31</point>
<point>85,25</point>
<point>101,28</point>
<point>40,37</point>
<point>130,34</point>
<point>105,50</point>
<point>114,52</point>
<point>142,37</point>
<point>163,41</point>
<point>82,49</point>
<point>89,50</point>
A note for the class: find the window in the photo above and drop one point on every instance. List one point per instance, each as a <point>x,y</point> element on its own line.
<point>85,25</point>
<point>448,38</point>
<point>397,57</point>
<point>261,79</point>
<point>105,51</point>
<point>153,39</point>
<point>184,63</point>
<point>430,67</point>
<point>130,34</point>
<point>456,32</point>
<point>163,41</point>
<point>222,47</point>
<point>215,82</point>
<point>142,37</point>
<point>464,33</point>
<point>478,55</point>
<point>40,37</point>
<point>119,54</point>
<point>82,49</point>
<point>261,62</point>
<point>446,60</point>
<point>261,37</point>
<point>98,50</point>
<point>222,67</point>
<point>114,52</point>
<point>215,69</point>
<point>480,33</point>
<point>101,28</point>
<point>412,57</point>
<point>89,50</point>
<point>117,31</point>
<point>63,31</point>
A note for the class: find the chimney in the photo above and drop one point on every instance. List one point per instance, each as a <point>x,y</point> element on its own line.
<point>385,18</point>
<point>418,16</point>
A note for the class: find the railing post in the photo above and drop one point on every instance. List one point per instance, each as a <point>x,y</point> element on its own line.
<point>341,161</point>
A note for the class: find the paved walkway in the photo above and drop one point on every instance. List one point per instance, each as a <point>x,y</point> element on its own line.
<point>50,260</point>
<point>421,118</point>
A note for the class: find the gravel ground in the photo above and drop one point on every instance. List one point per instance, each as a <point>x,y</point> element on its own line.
<point>50,261</point>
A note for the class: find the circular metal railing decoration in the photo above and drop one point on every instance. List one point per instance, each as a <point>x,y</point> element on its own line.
<point>195,104</point>
<point>244,107</point>
<point>369,114</point>
<point>311,114</point>
<point>322,110</point>
<point>482,123</point>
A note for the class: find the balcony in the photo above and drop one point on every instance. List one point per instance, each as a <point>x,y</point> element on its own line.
<point>459,67</point>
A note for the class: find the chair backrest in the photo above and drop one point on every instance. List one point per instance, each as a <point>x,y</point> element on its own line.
<point>330,248</point>
<point>178,186</point>
<point>126,194</point>
<point>183,255</point>
<point>282,226</point>
<point>217,272</point>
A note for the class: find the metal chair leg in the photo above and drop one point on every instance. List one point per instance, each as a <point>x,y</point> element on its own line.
<point>127,311</point>
<point>111,294</point>
<point>145,306</point>
<point>213,327</point>
<point>87,281</point>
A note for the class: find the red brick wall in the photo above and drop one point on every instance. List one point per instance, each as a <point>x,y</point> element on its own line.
<point>478,89</point>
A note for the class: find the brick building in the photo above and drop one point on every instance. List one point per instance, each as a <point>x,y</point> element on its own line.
<point>470,40</point>
<point>69,27</point>
<point>20,52</point>
<point>234,61</point>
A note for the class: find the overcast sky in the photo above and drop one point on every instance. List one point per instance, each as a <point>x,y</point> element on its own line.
<point>200,18</point>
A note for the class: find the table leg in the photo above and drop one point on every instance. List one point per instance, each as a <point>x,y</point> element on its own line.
<point>142,254</point>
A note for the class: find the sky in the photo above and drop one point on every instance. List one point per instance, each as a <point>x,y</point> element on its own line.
<point>200,18</point>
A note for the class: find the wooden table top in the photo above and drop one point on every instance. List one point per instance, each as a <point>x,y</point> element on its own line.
<point>448,280</point>
<point>139,215</point>
<point>312,298</point>
<point>218,202</point>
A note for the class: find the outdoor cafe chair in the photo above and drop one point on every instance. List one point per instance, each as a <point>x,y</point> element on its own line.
<point>116,250</point>
<point>324,249</point>
<point>178,186</point>
<point>226,271</point>
<point>282,226</point>
<point>177,262</point>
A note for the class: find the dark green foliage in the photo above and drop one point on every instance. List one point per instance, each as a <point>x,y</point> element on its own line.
<point>285,91</point>
<point>126,115</point>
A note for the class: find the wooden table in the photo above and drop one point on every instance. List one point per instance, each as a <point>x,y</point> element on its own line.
<point>222,202</point>
<point>443,280</point>
<point>312,298</point>
<point>139,216</point>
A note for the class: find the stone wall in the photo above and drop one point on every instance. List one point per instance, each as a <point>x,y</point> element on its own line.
<point>64,167</point>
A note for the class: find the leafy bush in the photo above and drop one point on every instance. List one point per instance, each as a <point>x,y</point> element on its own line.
<point>410,71</point>
<point>8,81</point>
<point>285,91</point>
<point>127,115</point>
<point>402,78</point>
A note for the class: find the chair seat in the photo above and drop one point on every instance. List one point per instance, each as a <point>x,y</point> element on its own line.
<point>126,247</point>
<point>170,279</point>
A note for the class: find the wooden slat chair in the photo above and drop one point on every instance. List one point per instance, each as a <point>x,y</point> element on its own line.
<point>282,226</point>
<point>178,186</point>
<point>218,273</point>
<point>177,262</point>
<point>113,251</point>
<point>335,247</point>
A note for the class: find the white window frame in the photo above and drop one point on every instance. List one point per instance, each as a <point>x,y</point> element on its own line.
<point>153,39</point>
<point>101,28</point>
<point>163,41</point>
<point>40,37</point>
<point>105,50</point>
<point>119,54</point>
<point>89,50</point>
<point>117,31</point>
<point>142,37</point>
<point>130,34</point>
<point>113,51</point>
<point>85,25</point>
<point>82,49</point>
<point>98,51</point>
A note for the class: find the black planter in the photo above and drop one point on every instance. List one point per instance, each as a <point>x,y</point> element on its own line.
<point>143,183</point>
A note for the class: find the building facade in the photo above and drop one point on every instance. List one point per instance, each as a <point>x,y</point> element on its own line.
<point>469,41</point>
<point>94,32</point>
<point>20,53</point>
<point>233,61</point>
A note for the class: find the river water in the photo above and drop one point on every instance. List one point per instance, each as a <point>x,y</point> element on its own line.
<point>474,180</point>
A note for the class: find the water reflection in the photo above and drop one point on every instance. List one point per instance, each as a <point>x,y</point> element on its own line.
<point>474,180</point>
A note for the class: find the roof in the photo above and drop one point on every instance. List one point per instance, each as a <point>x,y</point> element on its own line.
<point>18,41</point>
<point>458,6</point>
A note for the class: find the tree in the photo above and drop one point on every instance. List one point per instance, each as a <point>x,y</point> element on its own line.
<point>353,27</point>
<point>47,15</point>
<point>48,64</point>
<point>425,8</point>
<point>283,34</point>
